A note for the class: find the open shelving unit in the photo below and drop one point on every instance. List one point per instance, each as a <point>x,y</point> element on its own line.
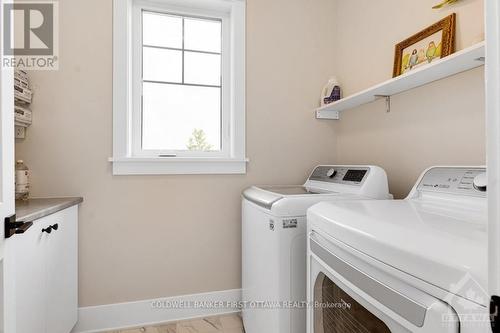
<point>455,63</point>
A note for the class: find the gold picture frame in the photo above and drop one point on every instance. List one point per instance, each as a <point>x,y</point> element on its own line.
<point>422,48</point>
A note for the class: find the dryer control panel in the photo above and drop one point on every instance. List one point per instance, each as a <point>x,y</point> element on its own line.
<point>340,174</point>
<point>455,180</point>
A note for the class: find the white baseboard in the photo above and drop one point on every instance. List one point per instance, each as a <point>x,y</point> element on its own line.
<point>108,317</point>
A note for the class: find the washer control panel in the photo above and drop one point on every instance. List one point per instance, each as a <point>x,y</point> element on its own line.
<point>461,181</point>
<point>340,174</point>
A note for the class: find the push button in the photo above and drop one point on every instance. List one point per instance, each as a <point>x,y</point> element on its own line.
<point>481,182</point>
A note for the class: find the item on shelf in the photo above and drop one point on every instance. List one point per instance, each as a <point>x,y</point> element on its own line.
<point>444,3</point>
<point>331,92</point>
<point>22,95</point>
<point>22,181</point>
<point>22,116</point>
<point>22,91</point>
<point>20,74</point>
<point>461,61</point>
<point>434,42</point>
<point>22,83</point>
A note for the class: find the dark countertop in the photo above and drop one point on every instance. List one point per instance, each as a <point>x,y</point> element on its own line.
<point>36,208</point>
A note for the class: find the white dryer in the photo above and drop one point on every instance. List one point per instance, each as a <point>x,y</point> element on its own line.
<point>413,265</point>
<point>274,242</point>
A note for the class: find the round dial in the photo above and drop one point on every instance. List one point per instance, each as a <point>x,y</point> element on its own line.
<point>331,173</point>
<point>480,182</point>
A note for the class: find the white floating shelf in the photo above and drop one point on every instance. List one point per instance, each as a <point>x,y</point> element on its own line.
<point>455,63</point>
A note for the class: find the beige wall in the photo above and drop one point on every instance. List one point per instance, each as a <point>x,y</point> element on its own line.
<point>144,237</point>
<point>151,236</point>
<point>441,123</point>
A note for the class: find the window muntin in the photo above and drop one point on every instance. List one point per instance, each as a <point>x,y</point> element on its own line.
<point>181,106</point>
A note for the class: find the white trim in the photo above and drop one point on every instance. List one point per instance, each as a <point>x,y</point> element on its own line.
<point>6,134</point>
<point>122,67</point>
<point>141,313</point>
<point>136,78</point>
<point>232,12</point>
<point>492,20</point>
<point>7,205</point>
<point>463,60</point>
<point>238,61</point>
<point>178,166</point>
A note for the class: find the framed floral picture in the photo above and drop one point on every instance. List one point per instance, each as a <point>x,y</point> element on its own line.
<point>426,46</point>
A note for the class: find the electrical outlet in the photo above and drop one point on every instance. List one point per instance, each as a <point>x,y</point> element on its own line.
<point>20,132</point>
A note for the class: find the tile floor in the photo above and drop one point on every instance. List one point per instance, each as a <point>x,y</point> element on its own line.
<point>220,324</point>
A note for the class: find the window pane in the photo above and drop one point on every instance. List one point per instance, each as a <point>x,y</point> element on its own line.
<point>202,68</point>
<point>161,30</point>
<point>161,65</point>
<point>202,35</point>
<point>177,117</point>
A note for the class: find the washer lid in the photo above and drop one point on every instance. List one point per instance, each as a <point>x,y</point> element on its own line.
<point>289,190</point>
<point>274,199</point>
<point>444,244</point>
<point>266,196</point>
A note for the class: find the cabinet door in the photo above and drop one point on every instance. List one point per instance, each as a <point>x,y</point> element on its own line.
<point>492,10</point>
<point>62,270</point>
<point>30,289</point>
<point>7,276</point>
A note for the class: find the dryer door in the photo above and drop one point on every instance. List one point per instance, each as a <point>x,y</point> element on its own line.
<point>349,296</point>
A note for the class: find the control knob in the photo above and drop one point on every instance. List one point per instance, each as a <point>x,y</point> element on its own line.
<point>331,173</point>
<point>480,182</point>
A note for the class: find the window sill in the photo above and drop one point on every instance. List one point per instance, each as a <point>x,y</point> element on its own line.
<point>177,166</point>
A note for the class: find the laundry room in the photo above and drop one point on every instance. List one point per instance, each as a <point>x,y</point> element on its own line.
<point>249,166</point>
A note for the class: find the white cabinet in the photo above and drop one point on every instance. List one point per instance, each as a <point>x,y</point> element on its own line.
<point>29,271</point>
<point>61,261</point>
<point>46,274</point>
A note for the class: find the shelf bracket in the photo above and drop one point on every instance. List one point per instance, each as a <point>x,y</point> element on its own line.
<point>327,114</point>
<point>387,102</point>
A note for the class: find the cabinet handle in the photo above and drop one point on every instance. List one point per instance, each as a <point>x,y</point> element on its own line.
<point>55,226</point>
<point>47,230</point>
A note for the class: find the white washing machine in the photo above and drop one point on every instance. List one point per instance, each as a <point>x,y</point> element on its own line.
<point>413,265</point>
<point>274,242</point>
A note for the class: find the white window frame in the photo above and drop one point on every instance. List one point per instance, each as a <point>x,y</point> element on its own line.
<point>128,157</point>
<point>139,7</point>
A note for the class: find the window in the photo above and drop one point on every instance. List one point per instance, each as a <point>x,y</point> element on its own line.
<point>181,84</point>
<point>178,87</point>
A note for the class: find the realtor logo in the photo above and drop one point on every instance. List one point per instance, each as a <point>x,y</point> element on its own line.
<point>30,35</point>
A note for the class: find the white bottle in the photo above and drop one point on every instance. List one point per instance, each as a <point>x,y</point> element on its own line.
<point>22,181</point>
<point>328,88</point>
